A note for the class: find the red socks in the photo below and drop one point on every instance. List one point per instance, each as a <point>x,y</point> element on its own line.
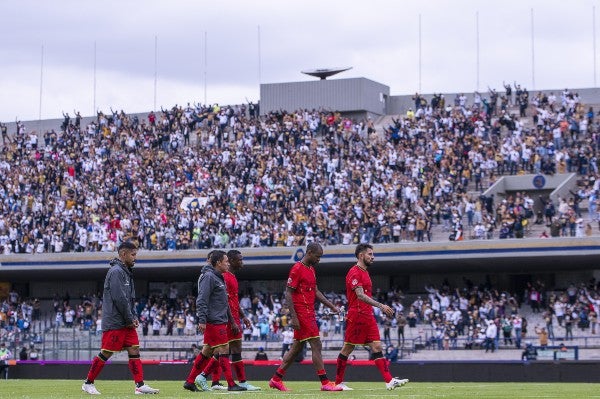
<point>200,363</point>
<point>342,362</point>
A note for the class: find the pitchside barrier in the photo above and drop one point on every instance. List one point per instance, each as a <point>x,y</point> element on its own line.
<point>260,372</point>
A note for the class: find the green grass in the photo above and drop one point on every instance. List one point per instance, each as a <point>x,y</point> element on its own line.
<point>64,389</point>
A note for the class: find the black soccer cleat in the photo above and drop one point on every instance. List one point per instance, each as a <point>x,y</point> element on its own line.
<point>190,386</point>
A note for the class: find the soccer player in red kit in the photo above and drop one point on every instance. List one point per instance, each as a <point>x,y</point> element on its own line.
<point>300,294</point>
<point>214,318</point>
<point>236,262</point>
<point>361,326</point>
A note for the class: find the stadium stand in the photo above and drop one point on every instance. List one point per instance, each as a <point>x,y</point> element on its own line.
<point>211,176</point>
<point>219,177</point>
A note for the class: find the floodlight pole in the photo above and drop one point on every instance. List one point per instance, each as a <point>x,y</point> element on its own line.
<point>532,53</point>
<point>94,88</point>
<point>477,46</point>
<point>41,89</point>
<point>259,59</point>
<point>155,68</point>
<point>594,40</point>
<point>420,61</point>
<point>205,64</point>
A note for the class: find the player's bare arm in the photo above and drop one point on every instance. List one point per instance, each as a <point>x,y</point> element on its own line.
<point>323,299</point>
<point>294,323</point>
<point>245,320</point>
<point>232,323</point>
<point>360,294</point>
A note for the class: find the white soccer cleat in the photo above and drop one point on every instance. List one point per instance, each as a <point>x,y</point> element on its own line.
<point>249,387</point>
<point>146,390</point>
<point>90,388</point>
<point>219,387</point>
<point>345,387</point>
<point>201,383</point>
<point>395,383</point>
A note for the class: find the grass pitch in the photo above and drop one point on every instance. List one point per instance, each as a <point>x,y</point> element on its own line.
<point>64,389</point>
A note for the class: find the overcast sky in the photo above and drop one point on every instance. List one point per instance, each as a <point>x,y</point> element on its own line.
<point>216,45</point>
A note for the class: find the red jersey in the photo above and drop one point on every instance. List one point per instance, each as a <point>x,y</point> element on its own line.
<point>355,278</point>
<point>303,280</point>
<point>231,283</point>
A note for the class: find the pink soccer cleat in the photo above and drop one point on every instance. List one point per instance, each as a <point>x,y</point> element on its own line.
<point>278,385</point>
<point>330,386</point>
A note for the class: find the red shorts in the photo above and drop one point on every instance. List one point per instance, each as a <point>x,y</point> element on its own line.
<point>234,337</point>
<point>362,330</point>
<point>215,335</point>
<point>308,327</point>
<point>117,340</point>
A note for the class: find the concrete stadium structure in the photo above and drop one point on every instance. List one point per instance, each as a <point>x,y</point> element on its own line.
<point>362,97</point>
<point>509,264</point>
<point>406,265</point>
<point>409,266</point>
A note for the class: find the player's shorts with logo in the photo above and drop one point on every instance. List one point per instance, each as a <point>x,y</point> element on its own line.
<point>308,327</point>
<point>361,330</point>
<point>117,340</point>
<point>231,336</point>
<point>215,335</point>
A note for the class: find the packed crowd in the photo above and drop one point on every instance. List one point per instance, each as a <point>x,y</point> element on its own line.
<point>23,320</point>
<point>286,178</point>
<point>483,317</point>
<point>17,315</point>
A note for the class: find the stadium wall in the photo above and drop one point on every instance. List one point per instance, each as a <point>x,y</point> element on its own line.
<point>465,371</point>
<point>344,95</point>
<point>408,266</point>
